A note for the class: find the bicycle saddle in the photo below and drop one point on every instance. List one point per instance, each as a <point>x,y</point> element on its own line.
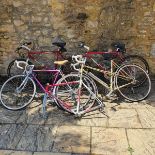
<point>119,46</point>
<point>60,62</point>
<point>59,42</point>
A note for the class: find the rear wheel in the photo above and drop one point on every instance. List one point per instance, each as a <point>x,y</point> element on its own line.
<point>17,92</point>
<point>137,60</point>
<point>128,80</point>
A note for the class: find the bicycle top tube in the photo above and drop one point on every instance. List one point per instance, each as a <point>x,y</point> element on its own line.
<point>43,51</point>
<point>46,70</point>
<point>100,53</point>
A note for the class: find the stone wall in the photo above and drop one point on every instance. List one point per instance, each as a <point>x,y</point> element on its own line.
<point>97,22</point>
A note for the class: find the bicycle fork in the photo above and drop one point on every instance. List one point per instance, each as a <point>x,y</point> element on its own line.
<point>22,85</point>
<point>79,91</point>
<point>100,104</point>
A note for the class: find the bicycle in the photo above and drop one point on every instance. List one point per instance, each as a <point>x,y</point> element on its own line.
<point>126,79</point>
<point>35,56</point>
<point>19,90</point>
<point>117,52</point>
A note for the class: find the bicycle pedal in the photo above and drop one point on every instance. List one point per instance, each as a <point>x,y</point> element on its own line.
<point>112,97</point>
<point>101,109</point>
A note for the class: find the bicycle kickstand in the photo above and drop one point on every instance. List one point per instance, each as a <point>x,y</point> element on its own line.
<point>44,106</point>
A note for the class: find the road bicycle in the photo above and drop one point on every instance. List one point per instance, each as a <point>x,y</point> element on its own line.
<point>118,52</point>
<point>127,79</point>
<point>19,90</point>
<point>118,57</point>
<point>41,58</point>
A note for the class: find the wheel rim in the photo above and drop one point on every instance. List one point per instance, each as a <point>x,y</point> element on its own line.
<point>14,98</point>
<point>135,90</point>
<point>85,98</point>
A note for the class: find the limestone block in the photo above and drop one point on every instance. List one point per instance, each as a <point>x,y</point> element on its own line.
<point>25,17</point>
<point>18,22</point>
<point>109,141</point>
<point>7,152</point>
<point>22,28</point>
<point>12,137</point>
<point>45,137</point>
<point>51,153</point>
<point>9,116</point>
<point>17,3</point>
<point>28,140</point>
<point>126,118</point>
<point>7,28</point>
<point>75,139</point>
<point>154,7</point>
<point>147,117</point>
<point>142,141</point>
<point>92,25</point>
<point>36,19</point>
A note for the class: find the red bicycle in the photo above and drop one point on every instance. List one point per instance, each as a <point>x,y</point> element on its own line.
<point>117,52</point>
<point>42,59</point>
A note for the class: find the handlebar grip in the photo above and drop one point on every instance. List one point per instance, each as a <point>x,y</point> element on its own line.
<point>86,47</point>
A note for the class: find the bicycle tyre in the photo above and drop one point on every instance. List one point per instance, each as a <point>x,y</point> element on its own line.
<point>87,103</point>
<point>12,98</point>
<point>128,82</point>
<point>13,70</point>
<point>142,62</point>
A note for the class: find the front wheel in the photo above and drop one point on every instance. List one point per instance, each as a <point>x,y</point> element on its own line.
<point>17,92</point>
<point>128,81</point>
<point>68,94</point>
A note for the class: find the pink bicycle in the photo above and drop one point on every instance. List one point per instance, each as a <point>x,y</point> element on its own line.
<point>18,91</point>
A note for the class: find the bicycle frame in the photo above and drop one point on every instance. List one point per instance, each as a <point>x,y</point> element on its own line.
<point>48,89</point>
<point>112,75</point>
<point>110,87</point>
<point>32,53</point>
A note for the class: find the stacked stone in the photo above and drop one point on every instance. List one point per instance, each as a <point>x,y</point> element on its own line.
<point>23,20</point>
<point>97,22</point>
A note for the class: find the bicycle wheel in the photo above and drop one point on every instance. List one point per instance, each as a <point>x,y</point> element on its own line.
<point>14,70</point>
<point>137,60</point>
<point>17,92</point>
<point>67,96</point>
<point>128,82</point>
